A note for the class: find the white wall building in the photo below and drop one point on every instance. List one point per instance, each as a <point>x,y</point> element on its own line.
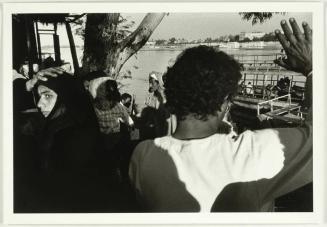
<point>251,35</point>
<point>150,43</point>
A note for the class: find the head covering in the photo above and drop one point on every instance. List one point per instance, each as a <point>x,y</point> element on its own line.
<point>108,95</point>
<point>158,77</point>
<point>95,83</point>
<point>70,94</point>
<point>57,140</point>
<point>94,75</point>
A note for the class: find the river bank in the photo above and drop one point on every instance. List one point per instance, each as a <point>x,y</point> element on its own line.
<point>141,64</point>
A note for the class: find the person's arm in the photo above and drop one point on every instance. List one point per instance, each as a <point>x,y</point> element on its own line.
<point>125,116</point>
<point>42,75</point>
<point>135,173</point>
<point>22,99</point>
<point>130,121</point>
<point>298,49</point>
<point>297,142</point>
<point>296,168</point>
<point>22,96</point>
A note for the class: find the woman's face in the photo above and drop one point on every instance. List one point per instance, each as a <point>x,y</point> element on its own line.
<point>153,85</point>
<point>47,100</point>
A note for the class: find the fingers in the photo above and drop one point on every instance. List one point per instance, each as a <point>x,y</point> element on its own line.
<point>41,77</point>
<point>296,30</point>
<point>307,31</point>
<point>282,39</point>
<point>288,33</point>
<point>281,62</point>
<point>52,72</point>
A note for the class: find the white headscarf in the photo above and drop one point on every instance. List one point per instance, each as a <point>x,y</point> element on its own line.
<point>158,77</point>
<point>95,83</point>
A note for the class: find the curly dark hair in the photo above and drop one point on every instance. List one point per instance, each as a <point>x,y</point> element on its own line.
<point>199,81</point>
<point>107,95</point>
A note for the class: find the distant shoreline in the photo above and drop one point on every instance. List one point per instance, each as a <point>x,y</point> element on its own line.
<point>180,47</point>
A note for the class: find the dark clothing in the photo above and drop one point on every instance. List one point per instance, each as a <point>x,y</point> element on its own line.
<point>112,149</point>
<point>55,159</point>
<point>153,122</point>
<point>58,173</point>
<point>22,100</point>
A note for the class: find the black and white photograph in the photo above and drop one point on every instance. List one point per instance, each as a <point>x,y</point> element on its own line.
<point>161,111</point>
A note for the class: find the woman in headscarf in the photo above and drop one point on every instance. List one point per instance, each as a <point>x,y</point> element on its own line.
<point>63,146</point>
<point>68,119</point>
<point>156,118</point>
<point>111,115</point>
<point>156,95</point>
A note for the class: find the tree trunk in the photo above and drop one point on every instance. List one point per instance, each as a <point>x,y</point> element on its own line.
<point>102,51</point>
<point>100,41</point>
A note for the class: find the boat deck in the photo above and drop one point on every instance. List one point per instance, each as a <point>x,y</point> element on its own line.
<point>252,102</point>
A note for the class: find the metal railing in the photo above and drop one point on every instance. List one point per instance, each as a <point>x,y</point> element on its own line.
<point>261,81</point>
<point>271,102</point>
<point>257,59</point>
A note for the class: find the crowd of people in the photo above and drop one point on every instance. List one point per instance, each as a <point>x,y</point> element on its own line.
<point>282,87</point>
<point>82,146</point>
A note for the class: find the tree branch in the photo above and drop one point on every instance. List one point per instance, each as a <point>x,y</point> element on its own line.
<point>131,44</point>
<point>143,32</point>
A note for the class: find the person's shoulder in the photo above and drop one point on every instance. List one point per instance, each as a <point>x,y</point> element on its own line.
<point>144,143</point>
<point>143,149</point>
<point>119,106</point>
<point>150,147</point>
<point>256,138</point>
<point>258,133</point>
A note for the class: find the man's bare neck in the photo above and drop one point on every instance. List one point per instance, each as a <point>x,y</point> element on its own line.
<point>192,128</point>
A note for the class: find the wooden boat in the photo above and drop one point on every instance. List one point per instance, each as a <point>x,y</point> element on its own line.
<point>27,42</point>
<point>268,91</point>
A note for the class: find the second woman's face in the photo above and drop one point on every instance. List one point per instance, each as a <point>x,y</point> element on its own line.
<point>47,100</point>
<point>153,85</point>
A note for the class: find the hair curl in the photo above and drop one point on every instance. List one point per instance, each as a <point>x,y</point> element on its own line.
<point>107,95</point>
<point>125,96</point>
<point>199,81</point>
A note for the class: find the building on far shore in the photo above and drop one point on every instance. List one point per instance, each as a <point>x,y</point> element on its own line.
<point>232,45</point>
<point>251,35</point>
<point>150,43</point>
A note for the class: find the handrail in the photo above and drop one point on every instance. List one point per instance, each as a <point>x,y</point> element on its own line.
<point>258,59</point>
<point>279,97</point>
<point>270,102</point>
<point>273,54</point>
<point>260,80</point>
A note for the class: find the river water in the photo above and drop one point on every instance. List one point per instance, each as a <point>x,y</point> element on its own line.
<point>145,61</point>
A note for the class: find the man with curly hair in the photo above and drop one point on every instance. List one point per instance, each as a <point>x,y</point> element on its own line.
<point>198,169</point>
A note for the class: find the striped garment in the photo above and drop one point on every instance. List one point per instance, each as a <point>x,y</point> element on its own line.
<point>109,120</point>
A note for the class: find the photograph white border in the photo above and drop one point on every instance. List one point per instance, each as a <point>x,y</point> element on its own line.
<point>162,218</point>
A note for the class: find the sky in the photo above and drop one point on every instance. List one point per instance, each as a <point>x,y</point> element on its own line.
<point>193,26</point>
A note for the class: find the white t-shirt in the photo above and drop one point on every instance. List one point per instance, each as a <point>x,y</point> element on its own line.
<point>172,175</point>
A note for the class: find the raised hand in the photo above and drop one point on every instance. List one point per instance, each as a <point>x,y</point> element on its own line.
<point>42,75</point>
<point>297,46</point>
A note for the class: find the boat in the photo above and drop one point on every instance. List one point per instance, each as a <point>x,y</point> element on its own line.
<point>267,91</point>
<point>27,39</point>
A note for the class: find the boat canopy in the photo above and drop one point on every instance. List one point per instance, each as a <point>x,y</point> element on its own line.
<point>26,38</point>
